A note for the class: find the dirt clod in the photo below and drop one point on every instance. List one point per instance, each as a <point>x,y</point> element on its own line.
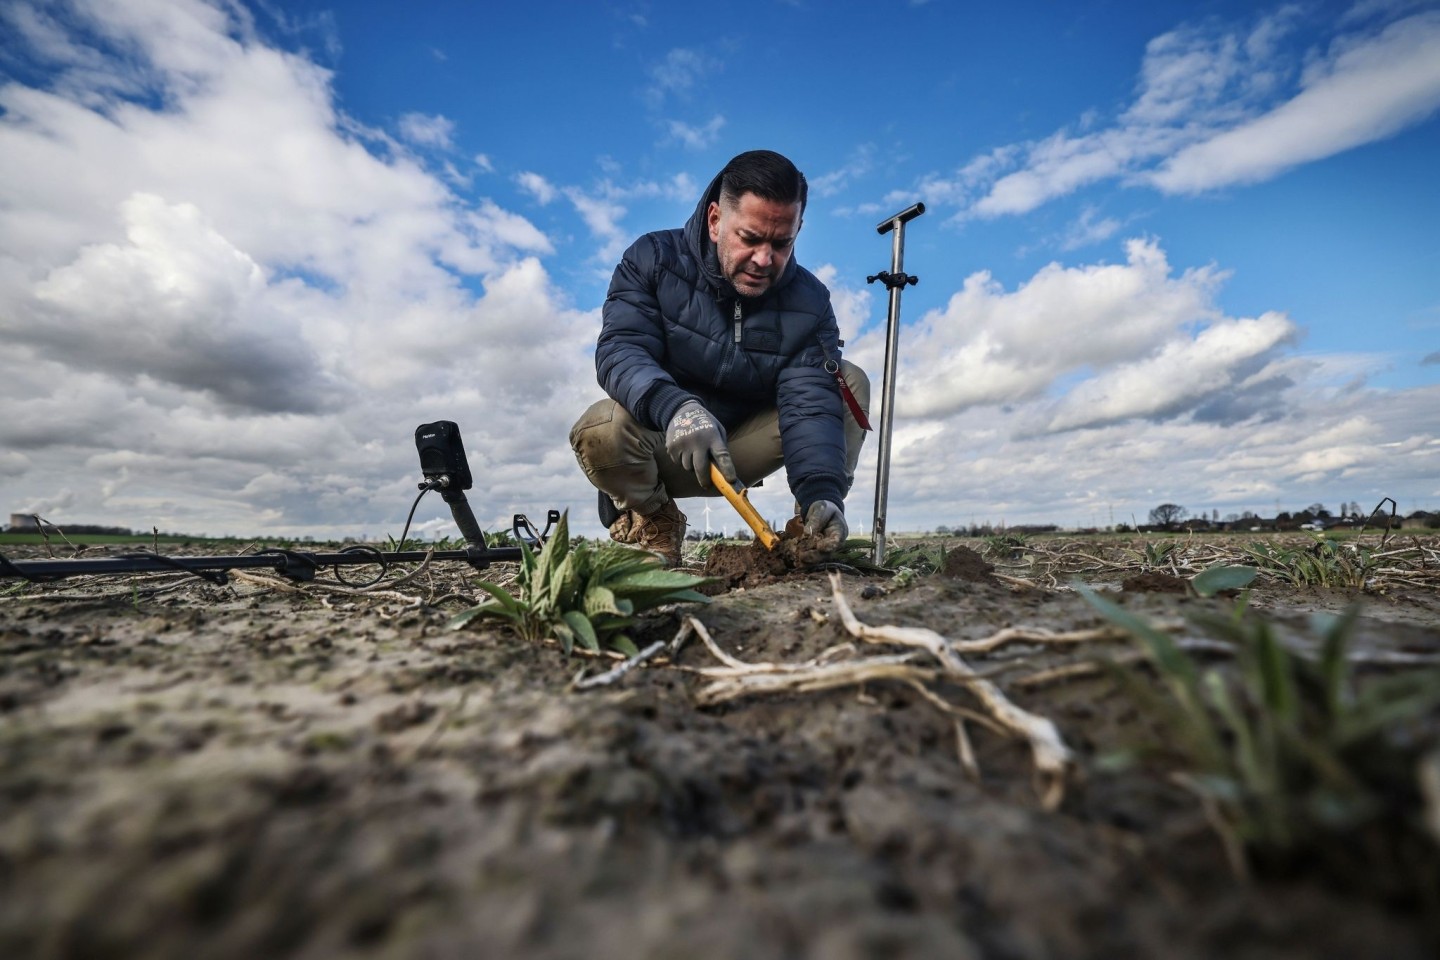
<point>751,565</point>
<point>743,565</point>
<point>1154,582</point>
<point>963,563</point>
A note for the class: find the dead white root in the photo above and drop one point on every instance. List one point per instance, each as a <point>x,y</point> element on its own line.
<point>966,752</point>
<point>829,671</point>
<point>734,667</point>
<point>1018,583</point>
<point>738,678</point>
<point>283,585</point>
<point>269,583</point>
<point>1053,759</point>
<point>1034,635</point>
<point>808,679</point>
<point>615,674</point>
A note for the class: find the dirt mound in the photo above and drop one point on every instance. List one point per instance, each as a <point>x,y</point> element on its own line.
<point>962,563</point>
<point>734,566</point>
<point>1154,582</point>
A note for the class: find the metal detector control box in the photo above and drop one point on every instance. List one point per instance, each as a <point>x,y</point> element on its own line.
<point>443,463</point>
<point>442,457</point>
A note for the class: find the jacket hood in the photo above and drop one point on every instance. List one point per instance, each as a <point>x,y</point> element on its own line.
<point>697,238</point>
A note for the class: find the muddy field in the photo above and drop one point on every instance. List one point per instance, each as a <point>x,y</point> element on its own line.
<point>264,770</point>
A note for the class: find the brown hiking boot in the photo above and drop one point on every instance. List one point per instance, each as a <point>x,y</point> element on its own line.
<point>661,532</point>
<point>623,529</point>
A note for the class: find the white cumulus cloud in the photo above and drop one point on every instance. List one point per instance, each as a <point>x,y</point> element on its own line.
<point>1216,106</point>
<point>992,346</point>
<point>1369,90</point>
<point>427,131</point>
<point>232,304</point>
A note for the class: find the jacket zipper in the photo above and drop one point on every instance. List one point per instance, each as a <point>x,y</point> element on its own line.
<point>738,318</point>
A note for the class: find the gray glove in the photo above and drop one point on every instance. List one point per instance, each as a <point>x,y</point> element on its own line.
<point>826,522</point>
<point>694,438</point>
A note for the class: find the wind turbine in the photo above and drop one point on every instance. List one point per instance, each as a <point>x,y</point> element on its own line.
<point>707,519</point>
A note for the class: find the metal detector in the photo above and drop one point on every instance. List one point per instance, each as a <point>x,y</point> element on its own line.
<point>443,463</point>
<point>896,280</point>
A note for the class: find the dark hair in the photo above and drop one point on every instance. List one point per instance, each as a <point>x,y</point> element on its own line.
<point>766,174</point>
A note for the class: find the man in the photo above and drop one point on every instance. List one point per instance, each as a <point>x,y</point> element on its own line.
<point>717,347</point>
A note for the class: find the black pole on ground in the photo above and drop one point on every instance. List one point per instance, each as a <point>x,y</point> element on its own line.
<point>295,564</point>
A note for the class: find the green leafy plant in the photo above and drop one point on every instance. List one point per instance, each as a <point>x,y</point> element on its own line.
<point>501,538</point>
<point>856,552</point>
<point>915,560</point>
<point>1154,554</point>
<point>699,550</point>
<point>1209,582</point>
<point>1294,756</point>
<point>582,594</point>
<point>1325,563</point>
<point>1005,546</point>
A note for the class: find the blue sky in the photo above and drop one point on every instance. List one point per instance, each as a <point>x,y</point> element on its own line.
<point>1174,252</point>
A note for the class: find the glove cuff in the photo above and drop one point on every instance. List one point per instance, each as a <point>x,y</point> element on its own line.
<point>660,404</point>
<point>810,491</point>
<point>688,403</point>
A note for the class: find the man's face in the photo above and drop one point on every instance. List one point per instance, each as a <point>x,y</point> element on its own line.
<point>754,240</point>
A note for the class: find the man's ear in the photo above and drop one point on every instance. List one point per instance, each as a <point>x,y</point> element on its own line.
<point>712,217</point>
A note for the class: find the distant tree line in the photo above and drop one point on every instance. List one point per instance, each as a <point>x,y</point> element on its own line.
<point>990,530</point>
<point>1170,515</point>
<point>92,529</point>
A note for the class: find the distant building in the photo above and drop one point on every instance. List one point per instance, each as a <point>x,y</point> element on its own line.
<point>23,521</point>
<point>1420,520</point>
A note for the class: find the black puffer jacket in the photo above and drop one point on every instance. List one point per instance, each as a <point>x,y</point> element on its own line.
<point>676,330</point>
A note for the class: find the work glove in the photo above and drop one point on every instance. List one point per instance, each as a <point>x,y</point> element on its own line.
<point>825,521</point>
<point>694,438</point>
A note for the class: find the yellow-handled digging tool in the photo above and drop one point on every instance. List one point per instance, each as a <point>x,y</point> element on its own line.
<point>742,505</point>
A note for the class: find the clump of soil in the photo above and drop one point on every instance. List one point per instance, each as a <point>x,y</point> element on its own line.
<point>1155,582</point>
<point>731,566</point>
<point>962,563</point>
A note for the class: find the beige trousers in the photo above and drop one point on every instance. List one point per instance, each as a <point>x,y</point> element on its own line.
<point>629,462</point>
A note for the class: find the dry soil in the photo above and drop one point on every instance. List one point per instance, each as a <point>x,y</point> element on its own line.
<point>263,770</point>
